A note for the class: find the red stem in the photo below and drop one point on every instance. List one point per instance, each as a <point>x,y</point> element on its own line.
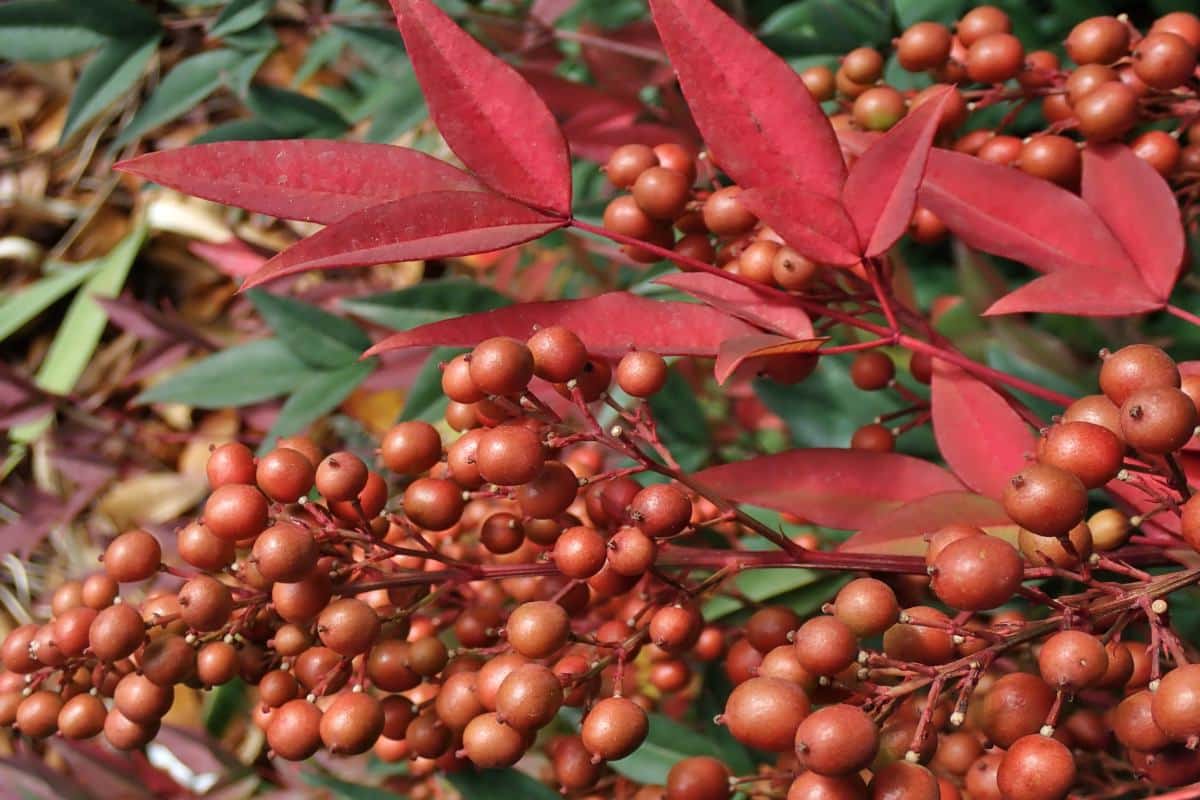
<point>1182,314</point>
<point>817,309</point>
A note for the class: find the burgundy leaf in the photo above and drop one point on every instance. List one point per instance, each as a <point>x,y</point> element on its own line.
<point>768,311</point>
<point>157,359</point>
<point>1003,211</point>
<point>597,143</point>
<point>761,124</point>
<point>1006,212</point>
<point>233,257</point>
<point>609,325</point>
<point>306,179</point>
<point>150,324</point>
<point>38,513</point>
<point>881,191</point>
<point>617,70</point>
<point>106,774</point>
<point>847,489</point>
<point>433,225</point>
<point>1139,208</point>
<point>814,225</point>
<point>979,434</point>
<point>567,99</point>
<point>1082,292</point>
<point>489,115</point>
<point>903,531</point>
<point>547,12</point>
<point>752,350</point>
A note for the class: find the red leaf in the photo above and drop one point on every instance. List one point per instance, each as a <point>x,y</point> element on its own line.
<point>881,192</point>
<point>620,71</point>
<point>759,120</point>
<point>489,115</point>
<point>609,325</point>
<point>816,226</point>
<point>305,179</point>
<point>233,257</point>
<point>847,489</point>
<point>981,437</point>
<point>567,98</point>
<point>1140,209</point>
<point>903,531</point>
<point>432,225</point>
<point>757,347</point>
<point>597,143</point>
<point>1082,292</point>
<point>1003,211</point>
<point>766,311</point>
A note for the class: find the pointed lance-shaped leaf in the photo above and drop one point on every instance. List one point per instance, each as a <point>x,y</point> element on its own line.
<point>306,179</point>
<point>1003,211</point>
<point>609,324</point>
<point>424,226</point>
<point>489,115</point>
<point>904,531</point>
<point>979,434</point>
<point>1082,292</point>
<point>754,350</point>
<point>815,226</point>
<point>1140,209</point>
<point>881,192</point>
<point>761,124</point>
<point>836,488</point>
<point>773,312</point>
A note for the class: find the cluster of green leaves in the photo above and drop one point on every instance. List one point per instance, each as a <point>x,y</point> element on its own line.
<point>313,360</point>
<point>78,335</point>
<point>127,44</point>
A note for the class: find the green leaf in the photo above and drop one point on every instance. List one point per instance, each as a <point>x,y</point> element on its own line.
<point>258,38</point>
<point>322,339</point>
<point>425,303</point>
<point>319,394</point>
<point>825,26</point>
<point>184,87</point>
<point>382,48</point>
<point>324,49</point>
<point>223,704</point>
<point>499,784</point>
<point>26,303</point>
<point>715,689</point>
<point>805,406</point>
<point>666,743</point>
<point>240,15</point>
<point>336,787</point>
<point>396,106</point>
<point>238,130</point>
<point>761,585</point>
<point>237,376</point>
<point>110,73</point>
<point>425,398</point>
<point>248,63</point>
<point>294,114</point>
<point>46,30</point>
<point>909,12</point>
<point>681,424</point>
<point>81,328</point>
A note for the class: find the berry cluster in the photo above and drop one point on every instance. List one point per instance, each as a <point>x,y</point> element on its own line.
<point>518,574</point>
<point>1122,84</point>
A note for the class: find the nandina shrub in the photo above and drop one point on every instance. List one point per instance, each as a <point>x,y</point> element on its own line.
<point>553,568</point>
